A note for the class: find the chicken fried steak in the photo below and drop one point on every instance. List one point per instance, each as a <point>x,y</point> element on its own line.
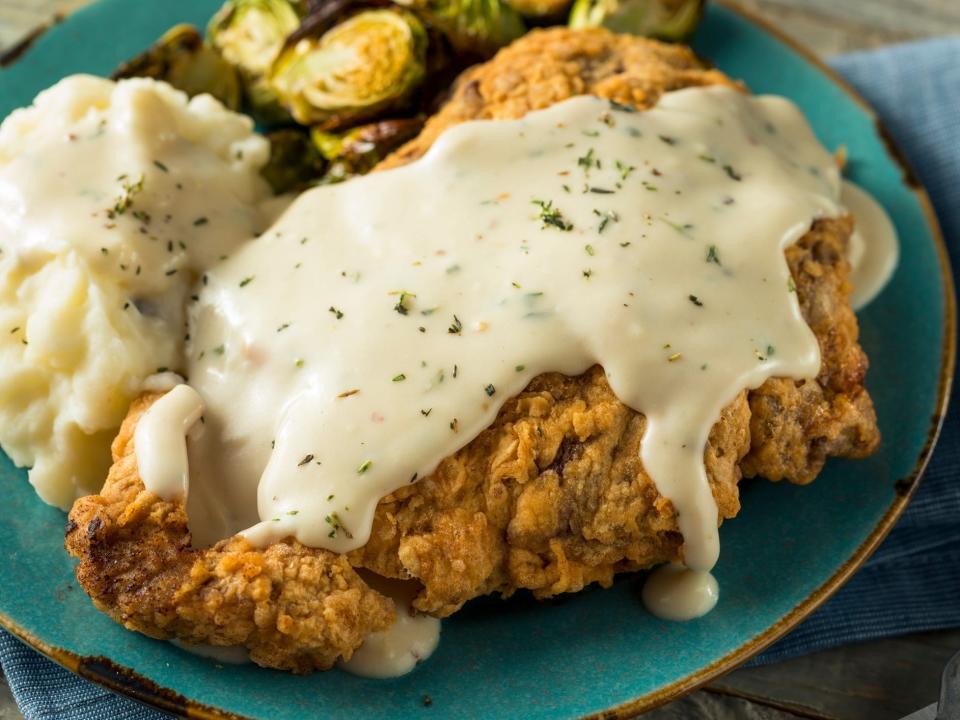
<point>550,498</point>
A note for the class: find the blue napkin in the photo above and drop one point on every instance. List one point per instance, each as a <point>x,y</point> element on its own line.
<point>912,582</point>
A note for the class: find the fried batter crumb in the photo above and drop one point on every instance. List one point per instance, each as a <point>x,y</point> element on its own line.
<point>293,607</point>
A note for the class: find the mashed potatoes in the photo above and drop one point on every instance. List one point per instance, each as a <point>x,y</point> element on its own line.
<point>114,197</point>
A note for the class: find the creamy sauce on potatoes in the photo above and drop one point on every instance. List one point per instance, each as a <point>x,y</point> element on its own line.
<point>113,198</point>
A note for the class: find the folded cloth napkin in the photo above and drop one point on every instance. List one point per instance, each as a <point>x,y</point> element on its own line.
<point>911,583</point>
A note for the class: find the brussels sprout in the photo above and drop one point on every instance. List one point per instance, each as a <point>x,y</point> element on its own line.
<point>294,161</point>
<point>356,151</point>
<point>366,64</point>
<point>672,20</point>
<point>182,59</point>
<point>480,27</point>
<point>250,34</point>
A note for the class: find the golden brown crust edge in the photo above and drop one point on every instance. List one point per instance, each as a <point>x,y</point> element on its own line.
<point>294,608</point>
<point>548,66</point>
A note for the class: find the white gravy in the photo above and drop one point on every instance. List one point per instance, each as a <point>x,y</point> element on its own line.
<point>409,641</point>
<point>379,325</point>
<point>146,192</point>
<point>161,444</point>
<point>675,592</point>
<point>874,250</point>
<point>224,654</point>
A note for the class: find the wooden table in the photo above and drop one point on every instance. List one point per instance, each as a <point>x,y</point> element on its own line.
<point>879,680</point>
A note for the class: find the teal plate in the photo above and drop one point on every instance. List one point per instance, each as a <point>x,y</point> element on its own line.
<point>597,652</point>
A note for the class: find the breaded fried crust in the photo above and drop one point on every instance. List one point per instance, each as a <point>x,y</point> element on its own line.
<point>294,608</point>
<point>796,426</point>
<point>550,498</point>
<point>545,67</point>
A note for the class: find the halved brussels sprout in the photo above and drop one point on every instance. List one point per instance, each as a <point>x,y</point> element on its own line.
<point>368,63</point>
<point>181,58</point>
<point>672,20</point>
<point>356,151</point>
<point>294,161</point>
<point>250,35</point>
<point>480,27</point>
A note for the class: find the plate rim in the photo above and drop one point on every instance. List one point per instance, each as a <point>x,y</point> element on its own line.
<point>132,684</point>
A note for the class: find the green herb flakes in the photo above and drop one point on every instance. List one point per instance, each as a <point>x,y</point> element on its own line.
<point>552,217</point>
<point>606,217</point>
<point>403,304</point>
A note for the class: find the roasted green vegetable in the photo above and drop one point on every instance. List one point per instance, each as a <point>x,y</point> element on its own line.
<point>540,9</point>
<point>250,34</point>
<point>181,58</point>
<point>368,63</point>
<point>294,161</point>
<point>671,20</point>
<point>356,151</point>
<point>479,27</point>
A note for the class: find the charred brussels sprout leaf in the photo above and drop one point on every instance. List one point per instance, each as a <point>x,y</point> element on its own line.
<point>368,63</point>
<point>672,20</point>
<point>294,162</point>
<point>181,58</point>
<point>250,34</point>
<point>480,27</point>
<point>358,150</point>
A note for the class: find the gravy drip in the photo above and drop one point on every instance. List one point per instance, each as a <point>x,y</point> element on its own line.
<point>874,250</point>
